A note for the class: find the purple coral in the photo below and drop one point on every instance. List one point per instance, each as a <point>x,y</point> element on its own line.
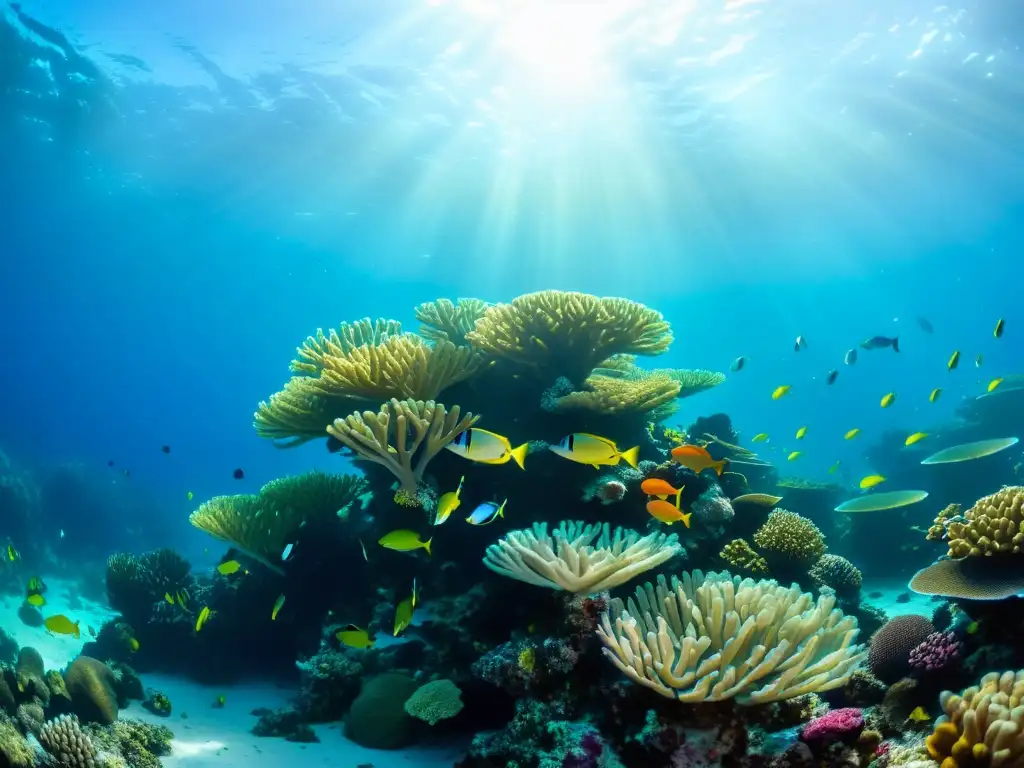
<point>838,725</point>
<point>936,651</point>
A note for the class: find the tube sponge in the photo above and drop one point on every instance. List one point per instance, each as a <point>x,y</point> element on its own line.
<point>566,333</point>
<point>571,560</point>
<point>715,637</point>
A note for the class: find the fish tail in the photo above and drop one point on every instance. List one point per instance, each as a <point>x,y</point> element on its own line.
<point>895,343</point>
<point>686,519</point>
<point>719,466</point>
<point>519,454</point>
<point>679,497</point>
<point>632,456</point>
<point>426,545</point>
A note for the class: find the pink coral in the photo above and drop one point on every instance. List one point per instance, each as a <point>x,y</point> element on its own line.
<point>837,725</point>
<point>936,651</point>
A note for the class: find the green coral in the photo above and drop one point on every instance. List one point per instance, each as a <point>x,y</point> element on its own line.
<point>263,524</point>
<point>377,718</point>
<point>790,539</point>
<point>15,751</point>
<point>435,701</point>
<point>742,557</point>
<point>138,744</point>
<point>341,341</point>
<point>134,583</point>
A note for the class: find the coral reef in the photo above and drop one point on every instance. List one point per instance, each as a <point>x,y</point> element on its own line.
<point>69,745</point>
<point>436,701</point>
<point>995,524</point>
<point>983,725</point>
<point>837,725</point>
<point>788,539</point>
<point>891,646</point>
<point>739,555</point>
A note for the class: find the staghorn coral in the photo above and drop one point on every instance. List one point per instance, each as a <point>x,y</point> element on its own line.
<point>69,745</point>
<point>790,538</point>
<point>891,646</point>
<point>403,436</point>
<point>715,637</point>
<point>341,341</point>
<point>299,413</point>
<point>995,524</point>
<point>564,333</point>
<point>615,396</point>
<point>442,320</point>
<point>570,559</point>
<point>739,555</point>
<point>983,725</point>
<point>263,524</point>
<point>838,573</point>
<point>90,684</point>
<point>435,701</point>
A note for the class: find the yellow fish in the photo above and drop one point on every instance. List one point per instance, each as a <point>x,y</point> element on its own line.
<point>182,598</point>
<point>871,481</point>
<point>62,625</point>
<point>993,384</point>
<point>794,455</point>
<point>404,541</point>
<point>589,449</point>
<point>954,360</point>
<point>918,715</point>
<point>485,447</point>
<point>204,616</point>
<point>888,400</point>
<point>448,503</point>
<point>12,553</point>
<point>852,433</point>
<point>800,433</point>
<point>998,332</point>
<point>781,391</point>
<point>403,615</point>
<point>915,438</point>
<point>354,637</point>
<point>35,584</point>
<point>133,644</point>
<point>190,495</point>
<point>668,513</point>
<point>231,566</point>
<point>168,598</point>
<point>278,605</point>
<point>972,628</point>
<point>834,468</point>
<point>760,437</point>
<point>36,599</point>
<point>935,394</point>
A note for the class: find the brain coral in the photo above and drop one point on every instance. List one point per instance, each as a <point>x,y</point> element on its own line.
<point>789,537</point>
<point>889,652</point>
<point>435,701</point>
<point>994,524</point>
<point>90,684</point>
<point>377,718</point>
<point>838,573</point>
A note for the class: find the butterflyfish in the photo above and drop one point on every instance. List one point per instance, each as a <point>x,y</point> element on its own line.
<point>780,392</point>
<point>487,512</point>
<point>133,645</point>
<point>800,343</point>
<point>667,513</point>
<point>993,384</point>
<point>448,503</point>
<point>36,600</point>
<point>871,481</point>
<point>697,458</point>
<point>354,637</point>
<point>404,540</point>
<point>918,715</point>
<point>760,437</point>
<point>204,616</point>
<point>485,447</point>
<point>596,451</point>
<point>278,605</point>
<point>794,455</point>
<point>62,625</point>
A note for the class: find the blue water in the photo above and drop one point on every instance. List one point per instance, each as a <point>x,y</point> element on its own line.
<point>199,189</point>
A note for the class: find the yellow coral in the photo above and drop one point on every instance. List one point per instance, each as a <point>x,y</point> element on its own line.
<point>613,396</point>
<point>442,320</point>
<point>404,435</point>
<point>983,726</point>
<point>741,556</point>
<point>569,334</point>
<point>527,660</point>
<point>937,531</point>
<point>340,341</point>
<point>995,524</point>
<point>790,536</point>
<point>298,413</point>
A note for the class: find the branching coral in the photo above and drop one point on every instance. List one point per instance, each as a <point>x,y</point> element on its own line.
<point>741,556</point>
<point>263,524</point>
<point>983,726</point>
<point>298,413</point>
<point>787,536</point>
<point>442,320</point>
<point>570,559</point>
<point>134,583</point>
<point>341,341</point>
<point>614,396</point>
<point>403,436</point>
<point>714,637</point>
<point>570,334</point>
<point>995,524</point>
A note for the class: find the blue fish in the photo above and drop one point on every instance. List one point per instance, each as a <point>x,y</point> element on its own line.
<point>487,512</point>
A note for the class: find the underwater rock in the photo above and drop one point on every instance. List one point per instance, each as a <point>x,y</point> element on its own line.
<point>864,689</point>
<point>377,718</point>
<point>30,615</point>
<point>283,723</point>
<point>8,648</point>
<point>30,717</point>
<point>329,684</point>
<point>90,684</point>
<point>127,683</point>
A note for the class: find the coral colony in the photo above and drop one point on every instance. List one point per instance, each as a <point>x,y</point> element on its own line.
<point>529,562</point>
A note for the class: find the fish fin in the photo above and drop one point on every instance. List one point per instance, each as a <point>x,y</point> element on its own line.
<point>597,466</point>
<point>719,466</point>
<point>679,497</point>
<point>519,454</point>
<point>662,496</point>
<point>501,509</point>
<point>895,343</point>
<point>632,456</point>
<point>426,545</point>
<point>686,519</point>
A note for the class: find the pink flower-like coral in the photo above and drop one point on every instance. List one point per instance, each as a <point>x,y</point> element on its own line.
<point>936,651</point>
<point>838,725</point>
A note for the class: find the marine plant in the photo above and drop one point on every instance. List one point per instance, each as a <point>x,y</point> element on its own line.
<point>570,559</point>
<point>713,637</point>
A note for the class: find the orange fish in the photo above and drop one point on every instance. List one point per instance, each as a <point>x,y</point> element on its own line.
<point>654,486</point>
<point>696,458</point>
<point>667,513</point>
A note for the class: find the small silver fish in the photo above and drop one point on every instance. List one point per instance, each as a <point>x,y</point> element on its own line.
<point>831,378</point>
<point>851,357</point>
<point>287,552</point>
<point>882,342</point>
<point>800,343</point>
<point>738,363</point>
